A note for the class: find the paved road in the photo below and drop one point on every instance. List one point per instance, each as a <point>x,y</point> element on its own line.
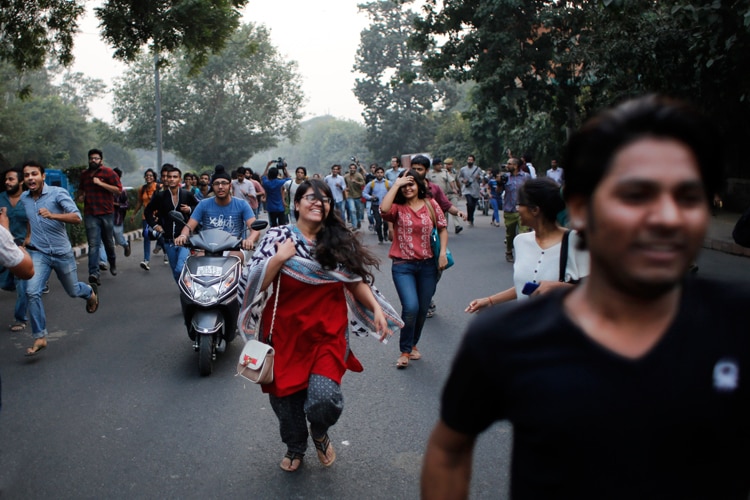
<point>115,408</point>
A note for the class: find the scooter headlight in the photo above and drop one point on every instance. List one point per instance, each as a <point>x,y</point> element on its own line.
<point>205,294</point>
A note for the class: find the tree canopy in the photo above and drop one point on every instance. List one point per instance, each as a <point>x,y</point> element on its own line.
<point>542,66</point>
<point>196,27</point>
<point>244,100</point>
<point>398,97</point>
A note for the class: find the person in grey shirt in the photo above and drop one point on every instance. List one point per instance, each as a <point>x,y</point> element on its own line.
<point>470,177</point>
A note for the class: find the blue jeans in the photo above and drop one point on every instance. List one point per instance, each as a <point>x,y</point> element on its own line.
<point>177,257</point>
<point>495,210</point>
<point>67,273</point>
<point>339,206</point>
<point>22,302</point>
<point>99,231</point>
<point>354,207</point>
<point>415,282</point>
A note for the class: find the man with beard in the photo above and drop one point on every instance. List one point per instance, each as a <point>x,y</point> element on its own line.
<point>163,202</point>
<point>48,209</point>
<point>635,383</point>
<point>18,228</point>
<point>97,188</point>
<point>204,187</point>
<point>470,179</point>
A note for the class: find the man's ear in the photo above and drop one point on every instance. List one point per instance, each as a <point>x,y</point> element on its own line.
<point>578,211</point>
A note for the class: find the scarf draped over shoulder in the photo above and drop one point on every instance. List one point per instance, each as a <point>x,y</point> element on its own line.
<point>303,267</point>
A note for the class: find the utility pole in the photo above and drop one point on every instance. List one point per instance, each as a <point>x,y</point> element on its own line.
<point>157,106</point>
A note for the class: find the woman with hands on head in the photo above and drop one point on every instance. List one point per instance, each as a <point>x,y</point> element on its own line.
<point>414,271</point>
<point>309,284</point>
<point>537,266</point>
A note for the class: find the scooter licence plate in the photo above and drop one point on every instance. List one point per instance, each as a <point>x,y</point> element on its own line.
<point>209,271</point>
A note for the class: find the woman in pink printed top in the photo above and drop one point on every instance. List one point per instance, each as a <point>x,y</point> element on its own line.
<point>414,271</point>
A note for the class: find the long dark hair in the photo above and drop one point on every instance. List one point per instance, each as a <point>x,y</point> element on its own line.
<point>421,187</point>
<point>334,243</point>
<point>543,193</point>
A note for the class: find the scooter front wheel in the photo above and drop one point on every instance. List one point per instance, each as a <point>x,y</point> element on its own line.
<point>205,355</point>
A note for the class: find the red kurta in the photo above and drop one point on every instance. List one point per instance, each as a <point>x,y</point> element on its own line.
<point>309,335</point>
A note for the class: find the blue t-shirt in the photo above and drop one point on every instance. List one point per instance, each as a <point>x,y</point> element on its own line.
<point>230,218</point>
<point>274,201</point>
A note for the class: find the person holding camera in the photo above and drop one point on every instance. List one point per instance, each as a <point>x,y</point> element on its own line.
<point>511,182</point>
<point>273,184</point>
<point>374,192</point>
<point>470,178</point>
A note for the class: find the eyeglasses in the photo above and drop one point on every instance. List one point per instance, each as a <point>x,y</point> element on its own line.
<point>221,183</point>
<point>311,198</point>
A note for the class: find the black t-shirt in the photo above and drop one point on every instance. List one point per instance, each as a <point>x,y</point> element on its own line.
<point>588,423</point>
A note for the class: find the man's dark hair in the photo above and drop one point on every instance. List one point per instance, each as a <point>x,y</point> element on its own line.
<point>33,163</point>
<point>590,151</point>
<point>168,167</point>
<point>117,171</point>
<point>304,170</point>
<point>421,160</point>
<point>273,173</point>
<point>378,167</point>
<point>96,152</point>
<point>241,171</point>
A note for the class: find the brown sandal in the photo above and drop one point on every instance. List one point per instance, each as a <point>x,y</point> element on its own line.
<point>17,327</point>
<point>403,360</point>
<point>92,303</point>
<point>415,354</point>
<point>32,351</point>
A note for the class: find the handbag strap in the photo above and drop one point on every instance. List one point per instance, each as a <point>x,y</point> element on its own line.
<point>432,212</point>
<point>564,255</point>
<point>275,306</point>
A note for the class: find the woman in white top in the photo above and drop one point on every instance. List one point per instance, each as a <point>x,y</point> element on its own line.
<point>537,266</point>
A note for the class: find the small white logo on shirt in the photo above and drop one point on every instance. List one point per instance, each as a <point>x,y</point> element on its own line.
<point>726,375</point>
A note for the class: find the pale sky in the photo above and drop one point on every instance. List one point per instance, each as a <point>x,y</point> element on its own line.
<point>321,36</point>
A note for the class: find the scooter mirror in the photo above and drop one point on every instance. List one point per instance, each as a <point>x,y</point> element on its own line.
<point>258,225</point>
<point>177,216</point>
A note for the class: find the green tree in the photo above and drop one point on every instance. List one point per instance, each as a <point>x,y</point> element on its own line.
<point>243,100</point>
<point>194,27</point>
<point>34,29</point>
<point>395,92</point>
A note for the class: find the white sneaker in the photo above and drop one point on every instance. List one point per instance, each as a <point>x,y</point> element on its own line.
<point>145,266</point>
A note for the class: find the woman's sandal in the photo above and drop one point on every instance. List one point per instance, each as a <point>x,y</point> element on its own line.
<point>403,360</point>
<point>292,457</point>
<point>322,447</point>
<point>17,327</point>
<point>415,354</point>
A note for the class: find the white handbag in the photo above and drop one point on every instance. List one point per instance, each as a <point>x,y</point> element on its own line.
<point>256,358</point>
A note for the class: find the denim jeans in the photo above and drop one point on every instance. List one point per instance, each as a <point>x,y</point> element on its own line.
<point>415,282</point>
<point>495,210</point>
<point>99,231</point>
<point>339,206</point>
<point>146,243</point>
<point>65,268</point>
<point>177,257</point>
<point>354,207</point>
<point>22,302</point>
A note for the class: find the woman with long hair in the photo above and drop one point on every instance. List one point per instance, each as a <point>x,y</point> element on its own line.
<point>414,270</point>
<point>309,284</point>
<point>537,265</point>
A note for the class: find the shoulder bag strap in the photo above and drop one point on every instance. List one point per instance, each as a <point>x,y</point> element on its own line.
<point>275,306</point>
<point>432,212</point>
<point>564,255</point>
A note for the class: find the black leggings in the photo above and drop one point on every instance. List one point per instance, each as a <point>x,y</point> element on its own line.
<point>471,205</point>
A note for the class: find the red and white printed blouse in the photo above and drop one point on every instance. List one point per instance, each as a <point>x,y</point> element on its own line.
<point>411,230</point>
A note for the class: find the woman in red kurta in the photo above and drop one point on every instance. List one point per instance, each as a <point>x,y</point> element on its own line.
<point>306,281</point>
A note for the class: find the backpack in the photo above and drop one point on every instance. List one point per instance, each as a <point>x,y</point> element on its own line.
<point>741,232</point>
<point>387,185</point>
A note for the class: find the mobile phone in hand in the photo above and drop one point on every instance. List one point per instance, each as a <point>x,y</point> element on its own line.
<point>529,288</point>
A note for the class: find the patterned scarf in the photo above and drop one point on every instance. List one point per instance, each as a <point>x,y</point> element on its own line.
<point>303,267</point>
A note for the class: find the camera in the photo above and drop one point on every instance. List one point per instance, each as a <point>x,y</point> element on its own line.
<point>280,163</point>
<point>504,177</point>
<point>354,159</point>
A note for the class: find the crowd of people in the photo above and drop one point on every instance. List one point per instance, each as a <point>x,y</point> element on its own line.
<point>608,330</point>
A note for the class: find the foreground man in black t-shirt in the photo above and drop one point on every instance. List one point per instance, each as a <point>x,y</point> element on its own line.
<point>636,384</point>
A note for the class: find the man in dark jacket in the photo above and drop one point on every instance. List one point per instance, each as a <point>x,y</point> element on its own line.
<point>157,216</point>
